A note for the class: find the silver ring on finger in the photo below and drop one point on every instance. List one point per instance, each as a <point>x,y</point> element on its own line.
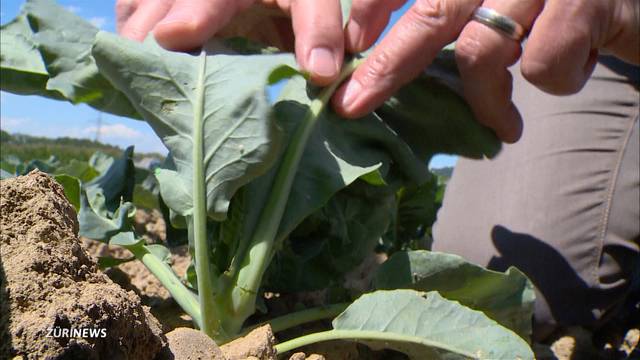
<point>501,23</point>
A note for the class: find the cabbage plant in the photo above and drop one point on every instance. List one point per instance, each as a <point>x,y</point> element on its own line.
<point>279,194</point>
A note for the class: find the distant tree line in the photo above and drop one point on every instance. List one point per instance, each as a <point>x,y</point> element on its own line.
<point>27,147</point>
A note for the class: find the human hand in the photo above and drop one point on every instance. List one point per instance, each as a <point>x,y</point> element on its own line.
<point>559,56</point>
<point>187,24</point>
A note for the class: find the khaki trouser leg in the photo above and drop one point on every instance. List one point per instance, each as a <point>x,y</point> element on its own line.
<point>562,204</point>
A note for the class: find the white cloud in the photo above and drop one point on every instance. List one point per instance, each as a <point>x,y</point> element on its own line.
<point>13,124</point>
<point>113,131</point>
<point>98,21</point>
<point>73,9</point>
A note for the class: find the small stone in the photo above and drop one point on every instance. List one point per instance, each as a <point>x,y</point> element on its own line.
<point>315,357</point>
<point>191,344</point>
<point>298,356</point>
<point>258,343</point>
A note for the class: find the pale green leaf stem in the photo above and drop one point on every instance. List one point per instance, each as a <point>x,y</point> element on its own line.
<point>300,317</point>
<point>362,335</point>
<point>210,320</point>
<point>187,300</point>
<point>422,326</point>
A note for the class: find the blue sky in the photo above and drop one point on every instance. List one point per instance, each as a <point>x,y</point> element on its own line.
<point>42,117</point>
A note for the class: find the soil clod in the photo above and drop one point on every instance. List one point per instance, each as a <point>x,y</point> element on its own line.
<point>59,304</point>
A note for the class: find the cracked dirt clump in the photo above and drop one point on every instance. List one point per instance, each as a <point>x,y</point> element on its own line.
<point>48,284</point>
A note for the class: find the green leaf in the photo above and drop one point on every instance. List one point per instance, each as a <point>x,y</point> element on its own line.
<point>4,174</point>
<point>126,239</point>
<point>114,186</point>
<point>104,227</point>
<point>505,297</point>
<point>432,118</point>
<point>427,326</point>
<point>79,169</point>
<point>333,240</point>
<point>338,153</point>
<point>64,40</point>
<point>374,178</point>
<point>174,191</point>
<point>282,72</point>
<point>176,234</point>
<point>22,70</point>
<point>101,161</point>
<point>161,252</point>
<point>146,189</point>
<point>105,262</point>
<point>106,212</point>
<point>415,212</point>
<point>144,199</point>
<point>49,166</point>
<point>71,186</point>
<point>178,93</point>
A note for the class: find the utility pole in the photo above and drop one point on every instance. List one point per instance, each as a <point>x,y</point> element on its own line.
<point>98,126</point>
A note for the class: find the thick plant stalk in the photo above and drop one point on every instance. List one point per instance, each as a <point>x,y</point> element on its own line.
<point>257,259</point>
<point>211,321</point>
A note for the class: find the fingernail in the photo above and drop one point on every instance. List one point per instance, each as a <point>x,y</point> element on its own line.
<point>322,62</point>
<point>351,94</point>
<point>354,33</point>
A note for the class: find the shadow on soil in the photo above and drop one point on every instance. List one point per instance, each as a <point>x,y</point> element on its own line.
<point>571,303</point>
